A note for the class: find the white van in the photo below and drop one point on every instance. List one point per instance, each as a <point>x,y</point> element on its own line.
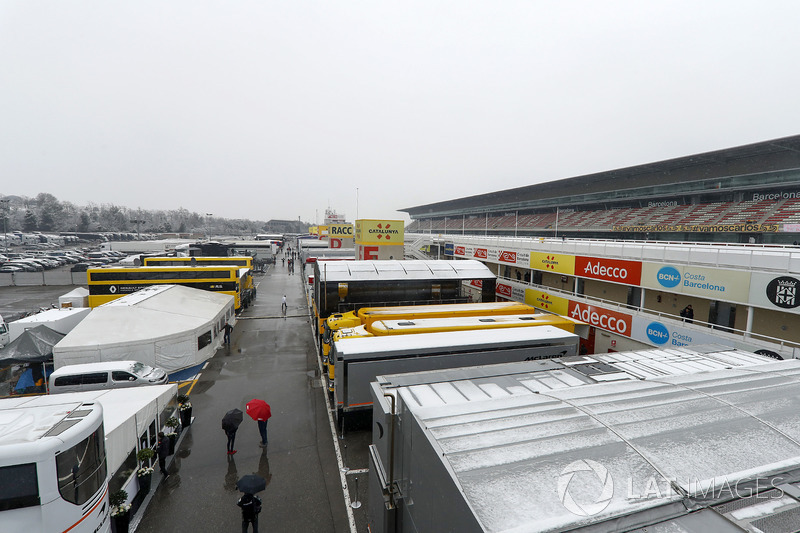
<point>108,375</point>
<point>4,336</point>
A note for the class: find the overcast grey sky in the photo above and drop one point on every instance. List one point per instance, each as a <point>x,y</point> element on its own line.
<point>266,109</point>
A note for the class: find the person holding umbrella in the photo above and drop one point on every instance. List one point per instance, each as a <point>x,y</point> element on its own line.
<point>249,503</point>
<point>251,506</point>
<point>230,423</point>
<point>260,411</point>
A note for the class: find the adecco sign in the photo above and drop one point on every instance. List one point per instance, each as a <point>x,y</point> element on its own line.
<point>602,318</point>
<point>615,270</point>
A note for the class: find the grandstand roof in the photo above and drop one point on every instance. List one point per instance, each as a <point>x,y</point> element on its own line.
<point>768,156</point>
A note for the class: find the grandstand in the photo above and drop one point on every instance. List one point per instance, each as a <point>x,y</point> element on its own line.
<point>745,194</point>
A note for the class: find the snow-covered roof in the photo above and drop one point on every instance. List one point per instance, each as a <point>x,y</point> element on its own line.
<point>555,449</point>
<point>385,346</point>
<point>343,271</point>
<point>149,314</point>
<point>126,414</point>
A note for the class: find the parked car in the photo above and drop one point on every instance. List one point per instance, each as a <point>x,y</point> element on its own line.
<point>10,268</point>
<point>29,266</point>
<point>106,375</point>
<point>81,267</point>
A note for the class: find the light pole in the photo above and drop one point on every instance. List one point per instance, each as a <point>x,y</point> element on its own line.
<point>6,202</point>
<point>208,215</point>
<point>137,222</point>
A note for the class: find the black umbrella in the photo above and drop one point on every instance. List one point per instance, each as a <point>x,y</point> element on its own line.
<point>251,484</point>
<point>232,419</point>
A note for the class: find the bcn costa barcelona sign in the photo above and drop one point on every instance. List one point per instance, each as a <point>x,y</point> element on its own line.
<point>615,270</point>
<point>603,318</point>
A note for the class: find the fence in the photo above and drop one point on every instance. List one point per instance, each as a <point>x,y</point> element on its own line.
<point>50,277</point>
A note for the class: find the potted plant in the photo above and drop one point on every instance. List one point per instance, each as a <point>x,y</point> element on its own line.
<point>120,511</point>
<point>173,425</point>
<point>145,472</point>
<point>185,409</point>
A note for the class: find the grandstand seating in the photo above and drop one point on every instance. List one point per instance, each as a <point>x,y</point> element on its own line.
<point>748,211</point>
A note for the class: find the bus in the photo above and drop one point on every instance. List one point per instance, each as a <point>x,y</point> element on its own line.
<point>242,261</point>
<point>278,237</point>
<point>106,284</point>
<point>367,315</point>
<point>53,472</point>
<point>411,326</point>
<point>248,288</point>
<point>341,286</point>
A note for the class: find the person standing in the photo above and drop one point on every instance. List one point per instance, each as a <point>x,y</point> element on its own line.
<point>283,305</point>
<point>688,313</point>
<point>230,432</point>
<point>251,506</point>
<point>163,451</point>
<point>226,338</point>
<point>262,426</point>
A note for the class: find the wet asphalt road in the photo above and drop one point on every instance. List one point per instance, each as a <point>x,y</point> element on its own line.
<point>274,359</point>
<point>270,358</point>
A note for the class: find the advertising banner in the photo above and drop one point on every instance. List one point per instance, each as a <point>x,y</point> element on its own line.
<point>381,253</point>
<point>614,270</point>
<point>613,321</point>
<point>546,301</point>
<point>470,252</point>
<point>449,248</point>
<point>711,283</point>
<point>561,263</point>
<point>736,227</point>
<point>340,235</point>
<point>340,231</point>
<point>510,291</point>
<point>664,334</point>
<point>775,291</point>
<point>382,232</point>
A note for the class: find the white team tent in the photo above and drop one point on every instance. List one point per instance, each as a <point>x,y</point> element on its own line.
<point>167,326</point>
<point>62,320</point>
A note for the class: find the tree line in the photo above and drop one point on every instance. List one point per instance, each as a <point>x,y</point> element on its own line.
<point>46,213</point>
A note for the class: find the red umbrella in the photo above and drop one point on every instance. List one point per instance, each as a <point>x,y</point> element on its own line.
<point>258,409</point>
